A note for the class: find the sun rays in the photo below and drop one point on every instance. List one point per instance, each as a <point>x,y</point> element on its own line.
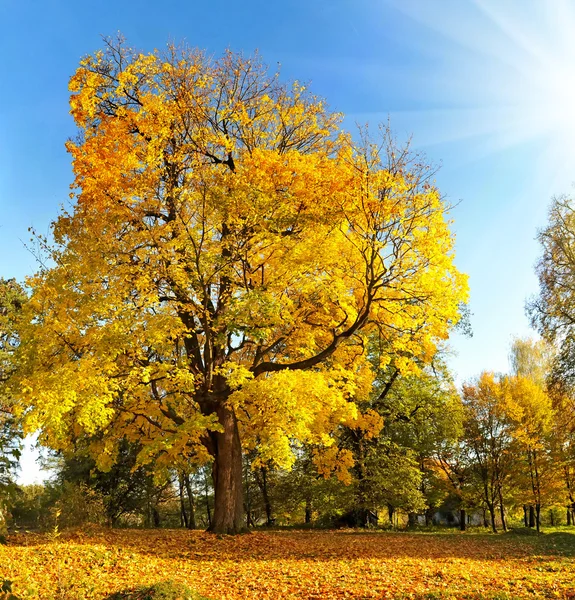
<point>505,74</point>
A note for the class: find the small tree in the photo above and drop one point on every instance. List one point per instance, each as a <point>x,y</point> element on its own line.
<point>12,299</point>
<point>487,433</point>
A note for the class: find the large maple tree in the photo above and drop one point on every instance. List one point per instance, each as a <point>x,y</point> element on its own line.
<point>227,252</point>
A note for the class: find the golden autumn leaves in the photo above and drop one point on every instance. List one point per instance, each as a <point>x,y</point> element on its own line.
<point>230,253</point>
<point>293,565</point>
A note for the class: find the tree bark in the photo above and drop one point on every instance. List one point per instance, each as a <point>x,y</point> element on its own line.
<point>462,519</point>
<point>156,516</point>
<point>502,511</point>
<point>491,508</point>
<point>227,475</point>
<point>308,511</point>
<point>538,516</point>
<point>531,516</point>
<point>569,516</point>
<point>183,515</point>
<point>525,519</point>
<point>191,504</point>
<point>208,511</point>
<point>261,477</point>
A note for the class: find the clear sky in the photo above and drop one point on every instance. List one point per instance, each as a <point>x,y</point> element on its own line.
<point>485,87</point>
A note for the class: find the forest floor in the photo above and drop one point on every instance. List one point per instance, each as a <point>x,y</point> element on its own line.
<point>279,565</point>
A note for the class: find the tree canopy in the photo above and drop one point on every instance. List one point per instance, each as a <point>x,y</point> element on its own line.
<point>228,251</point>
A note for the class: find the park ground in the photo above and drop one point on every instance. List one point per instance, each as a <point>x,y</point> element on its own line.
<point>292,564</point>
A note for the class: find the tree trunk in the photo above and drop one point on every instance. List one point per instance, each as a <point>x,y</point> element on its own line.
<point>569,516</point>
<point>183,514</point>
<point>262,481</point>
<point>538,516</point>
<point>502,512</point>
<point>308,511</point>
<point>412,519</point>
<point>525,519</point>
<point>227,475</point>
<point>485,522</point>
<point>156,517</point>
<point>491,508</point>
<point>191,504</point>
<point>207,502</point>
<point>462,519</point>
<point>531,516</point>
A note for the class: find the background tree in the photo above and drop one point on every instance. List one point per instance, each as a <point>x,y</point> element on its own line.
<point>553,311</point>
<point>227,252</point>
<point>12,299</point>
<point>424,415</point>
<point>530,413</point>
<point>487,432</point>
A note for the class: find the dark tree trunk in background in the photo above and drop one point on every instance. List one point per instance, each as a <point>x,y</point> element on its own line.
<point>412,519</point>
<point>308,510</point>
<point>502,512</point>
<point>491,508</point>
<point>156,516</point>
<point>183,515</point>
<point>569,516</point>
<point>462,519</point>
<point>227,475</point>
<point>525,518</point>
<point>261,477</point>
<point>531,516</point>
<point>191,502</point>
<point>538,516</point>
<point>207,496</point>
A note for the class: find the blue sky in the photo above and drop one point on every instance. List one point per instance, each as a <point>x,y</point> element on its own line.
<point>483,86</point>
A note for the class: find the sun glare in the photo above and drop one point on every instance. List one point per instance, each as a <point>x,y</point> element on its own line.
<point>512,80</point>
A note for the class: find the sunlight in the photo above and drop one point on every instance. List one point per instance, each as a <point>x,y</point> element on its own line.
<point>512,80</point>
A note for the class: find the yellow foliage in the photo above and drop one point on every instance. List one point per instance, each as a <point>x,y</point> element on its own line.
<point>230,249</point>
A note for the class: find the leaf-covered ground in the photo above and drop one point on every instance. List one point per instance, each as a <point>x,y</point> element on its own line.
<point>294,564</point>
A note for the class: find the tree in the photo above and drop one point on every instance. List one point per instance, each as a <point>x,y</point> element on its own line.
<point>228,251</point>
<point>12,299</point>
<point>424,414</point>
<point>488,436</point>
<point>530,414</point>
<point>533,418</point>
<point>125,488</point>
<point>553,311</point>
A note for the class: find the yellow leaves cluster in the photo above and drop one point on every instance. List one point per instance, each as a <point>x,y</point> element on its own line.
<point>334,461</point>
<point>224,229</point>
<point>529,408</point>
<point>275,410</point>
<point>369,422</point>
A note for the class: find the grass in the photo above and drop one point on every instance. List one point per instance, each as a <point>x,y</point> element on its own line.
<point>291,565</point>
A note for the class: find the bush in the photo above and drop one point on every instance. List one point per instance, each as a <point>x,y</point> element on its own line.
<point>529,531</point>
<point>166,590</point>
